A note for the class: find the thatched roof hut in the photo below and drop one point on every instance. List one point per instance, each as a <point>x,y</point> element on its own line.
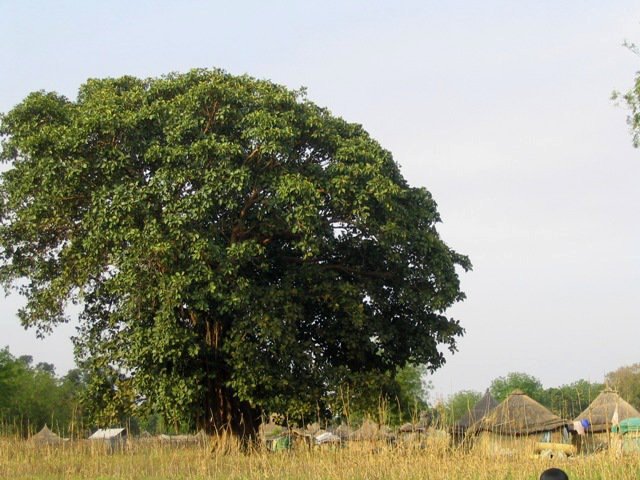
<point>519,415</point>
<point>344,432</point>
<point>47,437</point>
<point>518,424</point>
<point>368,431</point>
<point>411,428</point>
<point>485,405</point>
<point>601,411</point>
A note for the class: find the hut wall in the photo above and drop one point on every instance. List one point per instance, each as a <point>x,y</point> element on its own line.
<point>496,444</point>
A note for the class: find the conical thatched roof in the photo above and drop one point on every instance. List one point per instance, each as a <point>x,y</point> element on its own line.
<point>519,414</point>
<point>369,430</point>
<point>344,431</point>
<point>478,412</point>
<point>46,437</point>
<point>407,428</point>
<point>601,411</point>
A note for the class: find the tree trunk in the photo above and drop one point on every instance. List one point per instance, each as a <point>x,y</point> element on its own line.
<point>224,412</point>
<point>227,415</point>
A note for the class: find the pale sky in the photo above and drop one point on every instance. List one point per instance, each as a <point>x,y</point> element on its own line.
<point>501,109</point>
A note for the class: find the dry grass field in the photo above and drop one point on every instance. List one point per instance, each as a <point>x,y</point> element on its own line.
<point>81,460</point>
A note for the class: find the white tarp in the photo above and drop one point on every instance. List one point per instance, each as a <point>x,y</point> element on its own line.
<point>106,433</point>
<point>327,437</point>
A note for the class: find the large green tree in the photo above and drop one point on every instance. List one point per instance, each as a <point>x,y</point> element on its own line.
<point>233,247</point>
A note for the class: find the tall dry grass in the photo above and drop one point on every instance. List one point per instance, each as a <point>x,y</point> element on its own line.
<point>20,459</point>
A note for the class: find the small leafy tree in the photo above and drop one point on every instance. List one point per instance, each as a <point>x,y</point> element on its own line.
<point>501,387</point>
<point>461,403</point>
<point>626,380</point>
<point>412,392</point>
<point>233,246</point>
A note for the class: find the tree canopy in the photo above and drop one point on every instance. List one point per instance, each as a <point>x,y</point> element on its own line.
<point>233,247</point>
<point>501,387</point>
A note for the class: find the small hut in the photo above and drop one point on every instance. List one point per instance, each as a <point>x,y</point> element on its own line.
<point>602,412</point>
<point>369,431</point>
<point>47,437</point>
<point>411,428</point>
<point>371,437</point>
<point>485,405</point>
<point>593,425</point>
<point>344,431</point>
<point>113,438</point>
<point>477,412</point>
<point>519,424</point>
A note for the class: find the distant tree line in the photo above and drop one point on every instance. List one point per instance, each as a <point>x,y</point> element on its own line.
<point>567,401</point>
<point>32,395</point>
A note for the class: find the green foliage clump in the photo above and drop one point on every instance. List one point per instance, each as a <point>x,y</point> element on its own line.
<point>459,404</point>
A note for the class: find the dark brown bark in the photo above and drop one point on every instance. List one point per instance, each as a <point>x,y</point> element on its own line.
<point>224,412</point>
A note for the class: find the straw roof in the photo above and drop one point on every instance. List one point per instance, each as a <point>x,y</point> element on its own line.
<point>312,428</point>
<point>344,431</point>
<point>601,411</point>
<point>478,412</point>
<point>369,430</point>
<point>47,437</point>
<point>519,414</point>
<point>411,428</point>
